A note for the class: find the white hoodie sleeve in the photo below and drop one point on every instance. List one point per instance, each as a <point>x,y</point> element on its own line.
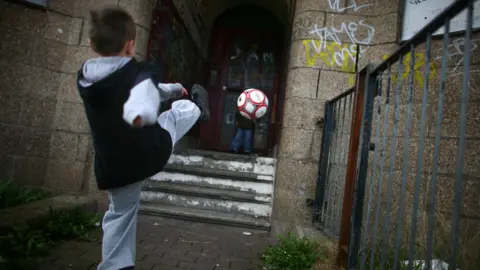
<point>145,100</point>
<point>170,90</point>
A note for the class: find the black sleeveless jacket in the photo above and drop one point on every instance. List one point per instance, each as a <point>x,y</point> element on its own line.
<point>123,155</point>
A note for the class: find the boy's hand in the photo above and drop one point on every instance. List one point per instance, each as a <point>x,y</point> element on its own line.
<point>137,122</point>
<point>184,92</point>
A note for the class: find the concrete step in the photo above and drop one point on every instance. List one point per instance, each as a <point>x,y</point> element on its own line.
<point>253,209</point>
<point>206,192</point>
<point>224,161</point>
<point>259,187</point>
<point>206,216</point>
<point>218,173</point>
<point>213,187</point>
<point>214,155</point>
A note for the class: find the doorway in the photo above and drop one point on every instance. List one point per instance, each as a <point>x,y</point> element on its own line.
<point>245,50</point>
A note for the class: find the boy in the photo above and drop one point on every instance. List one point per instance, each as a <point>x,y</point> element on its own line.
<point>131,141</point>
<point>243,135</point>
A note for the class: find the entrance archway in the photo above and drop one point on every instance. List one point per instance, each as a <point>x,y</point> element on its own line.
<point>246,50</point>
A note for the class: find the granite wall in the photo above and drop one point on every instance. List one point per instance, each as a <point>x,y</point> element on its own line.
<point>321,66</point>
<point>44,136</point>
<point>322,60</point>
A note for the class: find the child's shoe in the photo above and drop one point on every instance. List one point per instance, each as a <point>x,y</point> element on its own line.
<point>200,98</point>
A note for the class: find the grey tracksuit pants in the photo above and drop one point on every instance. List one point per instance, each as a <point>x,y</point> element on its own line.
<point>120,221</point>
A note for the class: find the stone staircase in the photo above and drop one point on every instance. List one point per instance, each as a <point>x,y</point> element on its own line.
<point>213,187</point>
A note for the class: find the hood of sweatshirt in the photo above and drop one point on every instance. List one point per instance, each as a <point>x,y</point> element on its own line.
<point>99,76</point>
<point>96,69</point>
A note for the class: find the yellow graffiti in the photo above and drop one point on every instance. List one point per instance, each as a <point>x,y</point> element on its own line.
<point>342,56</point>
<point>333,55</point>
<point>418,69</point>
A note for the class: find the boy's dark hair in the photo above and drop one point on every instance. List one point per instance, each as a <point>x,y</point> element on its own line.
<point>110,29</point>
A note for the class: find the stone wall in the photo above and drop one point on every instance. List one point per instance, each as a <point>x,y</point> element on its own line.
<point>321,62</point>
<point>44,137</point>
<point>321,66</point>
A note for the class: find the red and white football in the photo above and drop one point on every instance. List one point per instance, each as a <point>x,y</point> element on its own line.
<point>252,104</point>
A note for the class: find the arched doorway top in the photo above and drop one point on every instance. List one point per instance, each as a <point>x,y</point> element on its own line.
<point>211,9</point>
<point>258,19</point>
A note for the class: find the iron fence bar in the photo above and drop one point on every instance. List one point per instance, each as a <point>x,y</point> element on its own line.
<point>361,171</point>
<point>331,168</point>
<point>382,166</point>
<point>436,154</point>
<point>344,153</point>
<point>325,149</point>
<point>405,159</point>
<point>452,10</point>
<point>372,179</point>
<point>355,128</point>
<point>420,155</point>
<point>393,156</point>
<point>336,172</point>
<point>331,161</point>
<point>461,137</point>
<point>343,104</point>
<point>376,156</point>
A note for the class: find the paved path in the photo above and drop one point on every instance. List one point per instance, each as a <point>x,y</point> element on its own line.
<point>165,244</point>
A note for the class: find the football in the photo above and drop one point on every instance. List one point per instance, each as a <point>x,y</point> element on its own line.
<point>252,104</point>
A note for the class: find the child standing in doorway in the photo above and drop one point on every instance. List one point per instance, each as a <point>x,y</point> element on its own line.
<point>132,141</point>
<point>243,135</point>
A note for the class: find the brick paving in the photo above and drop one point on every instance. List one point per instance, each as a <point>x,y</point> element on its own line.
<point>165,244</point>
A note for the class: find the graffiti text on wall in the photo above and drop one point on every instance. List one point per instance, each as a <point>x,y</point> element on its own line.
<point>334,53</point>
<point>351,31</point>
<point>419,64</point>
<point>335,56</point>
<point>455,57</point>
<point>335,5</point>
<point>456,52</point>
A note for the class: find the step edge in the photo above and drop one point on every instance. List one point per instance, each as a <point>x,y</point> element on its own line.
<point>163,201</point>
<point>168,187</point>
<point>213,186</point>
<point>229,156</point>
<point>152,210</point>
<point>218,173</point>
<point>194,172</point>
<point>213,206</point>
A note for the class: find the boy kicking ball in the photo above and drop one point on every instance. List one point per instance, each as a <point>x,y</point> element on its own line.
<point>132,141</point>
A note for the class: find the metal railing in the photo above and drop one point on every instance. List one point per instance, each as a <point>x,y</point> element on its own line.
<point>333,162</point>
<point>411,181</point>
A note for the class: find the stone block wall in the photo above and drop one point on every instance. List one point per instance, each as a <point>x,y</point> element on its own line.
<point>321,66</point>
<point>44,138</point>
<point>322,62</point>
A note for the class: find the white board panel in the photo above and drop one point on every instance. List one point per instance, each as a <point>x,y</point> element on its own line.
<point>419,13</point>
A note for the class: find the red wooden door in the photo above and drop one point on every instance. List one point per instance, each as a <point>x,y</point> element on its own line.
<point>240,59</point>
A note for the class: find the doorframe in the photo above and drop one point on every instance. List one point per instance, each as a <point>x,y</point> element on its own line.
<point>218,61</point>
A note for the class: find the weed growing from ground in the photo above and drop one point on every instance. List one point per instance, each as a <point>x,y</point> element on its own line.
<point>13,195</point>
<point>292,253</point>
<point>24,245</point>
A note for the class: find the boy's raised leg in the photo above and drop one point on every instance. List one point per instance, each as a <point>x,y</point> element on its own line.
<point>185,113</point>
<point>179,119</point>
